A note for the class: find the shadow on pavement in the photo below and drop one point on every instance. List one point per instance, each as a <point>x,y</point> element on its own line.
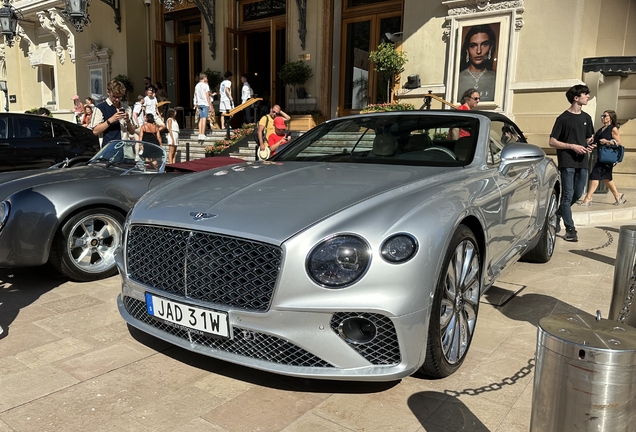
<point>528,307</point>
<point>255,376</point>
<point>21,287</point>
<point>438,412</point>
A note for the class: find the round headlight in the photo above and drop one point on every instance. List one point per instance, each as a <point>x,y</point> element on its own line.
<point>339,261</point>
<point>4,213</point>
<point>399,248</point>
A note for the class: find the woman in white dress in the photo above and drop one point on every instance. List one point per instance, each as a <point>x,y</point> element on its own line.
<point>173,135</point>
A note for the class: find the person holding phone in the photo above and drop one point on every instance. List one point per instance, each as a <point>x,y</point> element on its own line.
<point>111,120</point>
<point>278,138</point>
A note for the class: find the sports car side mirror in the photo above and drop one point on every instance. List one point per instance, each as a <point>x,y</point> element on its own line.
<point>519,154</point>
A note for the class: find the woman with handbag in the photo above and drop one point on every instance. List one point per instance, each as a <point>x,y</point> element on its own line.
<point>607,135</point>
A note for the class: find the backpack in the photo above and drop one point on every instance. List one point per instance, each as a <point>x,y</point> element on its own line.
<point>264,136</point>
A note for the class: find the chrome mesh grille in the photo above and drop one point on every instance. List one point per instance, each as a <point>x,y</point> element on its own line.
<point>245,343</point>
<point>384,349</point>
<point>204,266</point>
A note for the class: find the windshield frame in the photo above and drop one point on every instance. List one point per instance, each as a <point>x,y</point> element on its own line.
<point>113,149</point>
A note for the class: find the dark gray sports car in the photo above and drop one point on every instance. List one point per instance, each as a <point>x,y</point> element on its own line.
<point>73,217</point>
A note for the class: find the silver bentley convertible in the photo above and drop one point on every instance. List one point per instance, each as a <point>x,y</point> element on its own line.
<point>359,252</point>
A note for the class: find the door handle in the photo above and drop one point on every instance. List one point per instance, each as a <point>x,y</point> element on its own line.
<point>4,144</point>
<point>63,143</point>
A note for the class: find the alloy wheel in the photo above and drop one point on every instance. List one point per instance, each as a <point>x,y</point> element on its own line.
<point>92,243</point>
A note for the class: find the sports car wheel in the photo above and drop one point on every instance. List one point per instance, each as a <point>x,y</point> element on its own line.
<point>84,249</point>
<point>454,312</point>
<point>543,250</point>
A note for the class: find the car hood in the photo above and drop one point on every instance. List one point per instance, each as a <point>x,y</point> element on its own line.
<point>271,201</point>
<point>10,185</point>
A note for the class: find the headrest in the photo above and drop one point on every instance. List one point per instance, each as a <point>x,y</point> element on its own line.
<point>384,145</point>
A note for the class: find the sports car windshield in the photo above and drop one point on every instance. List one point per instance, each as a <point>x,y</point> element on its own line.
<point>139,155</point>
<point>430,140</point>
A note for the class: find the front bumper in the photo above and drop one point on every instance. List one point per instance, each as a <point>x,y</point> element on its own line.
<point>302,343</point>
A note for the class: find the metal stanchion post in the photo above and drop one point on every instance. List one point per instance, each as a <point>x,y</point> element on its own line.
<point>624,277</point>
<point>585,375</point>
<point>187,151</point>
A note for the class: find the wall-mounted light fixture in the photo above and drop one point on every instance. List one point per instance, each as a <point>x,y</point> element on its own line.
<point>76,13</point>
<point>8,22</point>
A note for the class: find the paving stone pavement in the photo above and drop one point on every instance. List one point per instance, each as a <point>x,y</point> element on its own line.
<point>68,362</point>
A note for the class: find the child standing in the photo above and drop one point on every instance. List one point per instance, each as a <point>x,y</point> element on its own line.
<point>173,135</point>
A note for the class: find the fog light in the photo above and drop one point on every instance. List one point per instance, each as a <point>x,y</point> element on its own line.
<point>357,330</point>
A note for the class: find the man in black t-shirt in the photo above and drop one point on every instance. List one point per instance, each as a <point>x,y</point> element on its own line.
<point>572,137</point>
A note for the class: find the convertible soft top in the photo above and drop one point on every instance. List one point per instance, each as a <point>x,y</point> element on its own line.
<point>203,164</point>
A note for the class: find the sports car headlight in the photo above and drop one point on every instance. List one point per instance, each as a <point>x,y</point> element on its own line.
<point>4,213</point>
<point>399,248</point>
<point>339,261</point>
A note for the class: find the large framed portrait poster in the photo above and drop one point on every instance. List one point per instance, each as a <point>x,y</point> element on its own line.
<point>481,59</point>
<point>97,81</point>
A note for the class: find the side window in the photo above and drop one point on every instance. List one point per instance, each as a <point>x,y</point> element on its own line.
<point>501,133</point>
<point>59,131</point>
<point>4,128</point>
<point>34,128</point>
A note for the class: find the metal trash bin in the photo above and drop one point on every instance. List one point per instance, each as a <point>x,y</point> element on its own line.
<point>624,278</point>
<point>585,375</point>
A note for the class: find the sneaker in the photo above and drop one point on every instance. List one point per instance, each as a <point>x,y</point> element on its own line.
<point>571,235</point>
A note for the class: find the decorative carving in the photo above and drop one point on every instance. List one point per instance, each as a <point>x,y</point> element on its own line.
<point>47,25</point>
<point>59,22</point>
<point>302,22</point>
<point>23,35</point>
<point>476,6</point>
<point>3,66</point>
<point>208,10</point>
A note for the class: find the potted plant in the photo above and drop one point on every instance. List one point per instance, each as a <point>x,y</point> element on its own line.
<point>388,62</point>
<point>130,88</point>
<point>295,74</point>
<point>392,106</point>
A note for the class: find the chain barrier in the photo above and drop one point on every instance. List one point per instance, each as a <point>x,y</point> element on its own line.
<point>629,298</point>
<point>507,381</point>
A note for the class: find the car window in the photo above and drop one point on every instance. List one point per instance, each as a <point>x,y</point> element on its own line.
<point>78,131</point>
<point>4,128</point>
<point>34,128</point>
<point>404,139</point>
<point>501,133</point>
<point>59,131</point>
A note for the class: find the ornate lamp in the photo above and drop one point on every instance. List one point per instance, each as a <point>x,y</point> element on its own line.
<point>8,22</point>
<point>76,13</point>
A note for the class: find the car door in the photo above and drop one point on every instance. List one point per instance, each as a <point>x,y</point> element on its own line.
<point>63,141</point>
<point>519,193</point>
<point>6,149</point>
<point>34,144</point>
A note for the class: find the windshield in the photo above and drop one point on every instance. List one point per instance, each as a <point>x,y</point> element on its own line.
<point>132,154</point>
<point>426,139</point>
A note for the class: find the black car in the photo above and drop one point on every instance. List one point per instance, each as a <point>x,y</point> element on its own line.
<point>29,141</point>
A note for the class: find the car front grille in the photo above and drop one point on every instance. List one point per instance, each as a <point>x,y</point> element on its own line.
<point>384,349</point>
<point>204,266</point>
<point>245,343</point>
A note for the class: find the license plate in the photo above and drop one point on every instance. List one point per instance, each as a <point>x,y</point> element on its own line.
<point>190,317</point>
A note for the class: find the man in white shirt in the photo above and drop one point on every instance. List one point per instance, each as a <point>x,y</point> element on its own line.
<point>227,103</point>
<point>203,102</point>
<point>246,94</point>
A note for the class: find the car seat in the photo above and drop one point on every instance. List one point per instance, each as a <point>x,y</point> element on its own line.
<point>384,145</point>
<point>463,148</point>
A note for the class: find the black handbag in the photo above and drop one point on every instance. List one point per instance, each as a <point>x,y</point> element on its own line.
<point>611,154</point>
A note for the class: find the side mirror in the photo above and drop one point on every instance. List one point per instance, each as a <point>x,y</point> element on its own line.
<point>519,154</point>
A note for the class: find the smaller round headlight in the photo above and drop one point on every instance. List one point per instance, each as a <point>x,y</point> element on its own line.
<point>4,213</point>
<point>399,248</point>
<point>339,261</point>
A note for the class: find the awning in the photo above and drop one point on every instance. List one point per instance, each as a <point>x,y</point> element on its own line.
<point>43,56</point>
<point>610,65</point>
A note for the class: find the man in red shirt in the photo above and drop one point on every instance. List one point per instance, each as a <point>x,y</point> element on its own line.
<point>278,138</point>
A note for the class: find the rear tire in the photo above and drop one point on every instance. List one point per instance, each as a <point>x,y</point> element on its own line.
<point>543,250</point>
<point>84,248</point>
<point>453,316</point>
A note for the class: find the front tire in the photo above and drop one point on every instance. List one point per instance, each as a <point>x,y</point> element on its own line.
<point>84,249</point>
<point>455,307</point>
<point>543,250</point>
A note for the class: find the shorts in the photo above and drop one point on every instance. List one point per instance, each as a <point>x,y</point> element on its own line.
<point>225,105</point>
<point>159,122</point>
<point>204,111</point>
